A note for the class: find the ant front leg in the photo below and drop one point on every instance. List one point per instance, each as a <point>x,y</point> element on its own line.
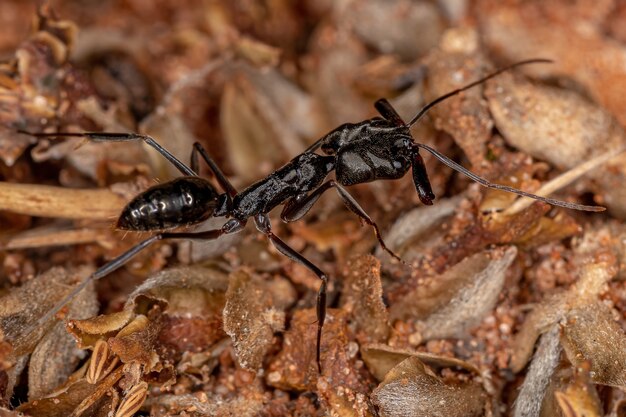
<point>297,207</point>
<point>264,226</point>
<point>231,226</point>
<point>420,179</point>
<point>121,137</point>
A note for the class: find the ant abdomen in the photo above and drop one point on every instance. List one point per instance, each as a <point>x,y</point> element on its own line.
<point>183,201</point>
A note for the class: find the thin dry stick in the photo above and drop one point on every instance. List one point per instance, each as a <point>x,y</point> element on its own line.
<point>563,180</point>
<point>51,237</point>
<point>59,202</point>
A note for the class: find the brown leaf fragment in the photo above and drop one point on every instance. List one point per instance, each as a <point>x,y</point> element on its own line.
<point>420,229</point>
<point>244,404</point>
<point>295,367</point>
<point>194,290</point>
<point>407,29</point>
<point>459,298</point>
<point>521,29</point>
<point>533,390</point>
<point>252,125</point>
<point>590,334</point>
<point>74,399</point>
<point>136,342</point>
<point>12,145</point>
<point>554,308</point>
<point>55,357</point>
<point>411,389</point>
<point>23,306</point>
<point>380,359</point>
<point>579,398</point>
<point>455,63</point>
<point>89,331</point>
<point>251,316</point>
<point>362,299</point>
<point>192,299</point>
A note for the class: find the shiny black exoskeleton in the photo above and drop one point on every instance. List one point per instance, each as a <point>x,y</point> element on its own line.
<point>181,202</point>
<point>375,149</point>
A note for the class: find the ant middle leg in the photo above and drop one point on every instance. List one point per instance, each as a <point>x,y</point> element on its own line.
<point>262,223</point>
<point>297,207</point>
<point>120,137</point>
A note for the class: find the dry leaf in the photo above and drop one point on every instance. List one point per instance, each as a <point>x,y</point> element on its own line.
<point>380,359</point>
<point>590,334</point>
<point>252,315</point>
<point>459,298</point>
<point>411,389</point>
<point>362,298</point>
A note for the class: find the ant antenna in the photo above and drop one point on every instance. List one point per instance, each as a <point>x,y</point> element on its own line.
<point>447,161</point>
<point>438,100</point>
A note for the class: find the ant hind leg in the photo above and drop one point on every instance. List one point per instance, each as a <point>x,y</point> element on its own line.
<point>297,207</point>
<point>262,223</point>
<point>120,137</point>
<point>219,175</point>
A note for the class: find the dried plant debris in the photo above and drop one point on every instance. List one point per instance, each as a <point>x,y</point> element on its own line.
<point>48,201</point>
<point>465,118</point>
<point>591,335</point>
<point>518,30</point>
<point>342,386</point>
<point>584,293</point>
<point>53,356</point>
<point>503,306</point>
<point>411,389</point>
<point>545,361</point>
<point>36,82</point>
<point>362,298</point>
<point>459,298</point>
<point>380,359</point>
<point>254,310</point>
<point>574,129</point>
<point>577,397</point>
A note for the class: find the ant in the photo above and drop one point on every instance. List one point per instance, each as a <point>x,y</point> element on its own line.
<point>374,149</point>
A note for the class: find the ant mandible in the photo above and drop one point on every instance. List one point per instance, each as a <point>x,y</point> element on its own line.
<point>378,148</point>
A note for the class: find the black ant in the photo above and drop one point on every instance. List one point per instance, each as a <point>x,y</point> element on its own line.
<point>378,148</point>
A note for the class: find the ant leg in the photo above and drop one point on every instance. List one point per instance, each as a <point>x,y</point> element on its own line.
<point>296,207</point>
<point>219,175</point>
<point>300,205</point>
<point>121,137</point>
<point>231,226</point>
<point>420,179</point>
<point>262,223</point>
<point>386,110</point>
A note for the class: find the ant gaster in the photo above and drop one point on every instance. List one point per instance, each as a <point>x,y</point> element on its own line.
<point>379,148</point>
